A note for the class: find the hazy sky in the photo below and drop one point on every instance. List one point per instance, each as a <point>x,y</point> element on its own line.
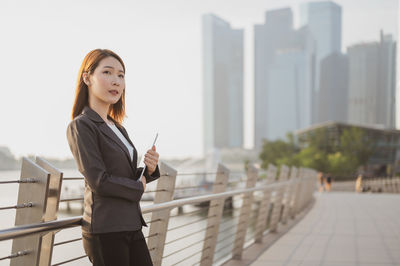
<point>44,43</point>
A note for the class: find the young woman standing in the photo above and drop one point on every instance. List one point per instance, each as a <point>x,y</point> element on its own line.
<point>107,158</point>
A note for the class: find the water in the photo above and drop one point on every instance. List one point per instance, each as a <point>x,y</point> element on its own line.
<point>9,194</point>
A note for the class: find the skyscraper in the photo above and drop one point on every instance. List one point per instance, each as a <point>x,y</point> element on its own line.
<point>274,34</point>
<point>222,84</point>
<point>283,76</point>
<point>324,20</point>
<point>397,112</point>
<point>372,83</point>
<point>333,93</point>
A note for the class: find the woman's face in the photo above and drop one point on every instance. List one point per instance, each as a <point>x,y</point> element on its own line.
<point>107,82</point>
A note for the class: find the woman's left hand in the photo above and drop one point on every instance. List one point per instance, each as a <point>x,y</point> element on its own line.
<point>151,160</point>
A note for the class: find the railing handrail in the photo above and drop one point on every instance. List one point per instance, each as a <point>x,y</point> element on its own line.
<point>25,230</point>
<point>202,198</point>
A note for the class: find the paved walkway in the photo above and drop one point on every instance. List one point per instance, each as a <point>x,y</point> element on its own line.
<point>342,229</point>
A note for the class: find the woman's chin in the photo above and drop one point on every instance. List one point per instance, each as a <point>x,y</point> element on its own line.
<point>113,101</point>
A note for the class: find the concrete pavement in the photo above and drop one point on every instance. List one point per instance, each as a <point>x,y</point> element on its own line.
<point>342,229</point>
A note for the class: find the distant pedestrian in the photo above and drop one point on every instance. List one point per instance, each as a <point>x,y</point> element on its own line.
<point>321,181</point>
<point>328,182</point>
<point>359,187</point>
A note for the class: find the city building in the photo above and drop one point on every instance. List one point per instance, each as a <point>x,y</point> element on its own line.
<point>397,95</point>
<point>222,84</point>
<point>371,96</point>
<point>333,89</point>
<point>284,59</point>
<point>324,20</point>
<point>275,34</point>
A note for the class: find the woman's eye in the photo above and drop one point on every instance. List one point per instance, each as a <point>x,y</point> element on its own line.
<point>121,76</point>
<point>106,71</point>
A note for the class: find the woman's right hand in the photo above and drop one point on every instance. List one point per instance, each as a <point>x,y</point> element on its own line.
<point>144,183</point>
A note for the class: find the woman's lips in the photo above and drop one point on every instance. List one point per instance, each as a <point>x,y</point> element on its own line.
<point>113,92</point>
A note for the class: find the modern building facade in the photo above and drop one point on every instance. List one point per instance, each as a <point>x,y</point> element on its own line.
<point>324,20</point>
<point>274,34</point>
<point>372,83</point>
<point>333,89</point>
<point>283,76</point>
<point>222,84</point>
<point>397,104</point>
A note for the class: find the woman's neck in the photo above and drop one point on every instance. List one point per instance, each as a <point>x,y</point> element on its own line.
<point>101,109</point>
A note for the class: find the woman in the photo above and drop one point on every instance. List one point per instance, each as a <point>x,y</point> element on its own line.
<point>107,158</point>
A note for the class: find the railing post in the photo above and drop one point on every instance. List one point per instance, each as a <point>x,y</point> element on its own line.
<point>264,206</point>
<point>53,199</point>
<point>159,225</point>
<point>214,216</point>
<point>290,193</point>
<point>245,211</point>
<point>297,199</point>
<point>303,189</point>
<point>276,211</point>
<point>311,176</point>
<point>34,195</point>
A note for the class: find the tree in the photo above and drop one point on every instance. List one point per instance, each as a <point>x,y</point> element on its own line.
<point>355,143</point>
<point>275,152</point>
<point>322,152</point>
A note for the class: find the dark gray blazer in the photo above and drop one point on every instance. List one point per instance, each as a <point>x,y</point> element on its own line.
<point>112,192</point>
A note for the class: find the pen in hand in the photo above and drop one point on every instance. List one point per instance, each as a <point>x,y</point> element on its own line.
<point>144,168</point>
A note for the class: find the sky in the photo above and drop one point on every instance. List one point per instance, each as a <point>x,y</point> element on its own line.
<point>44,43</point>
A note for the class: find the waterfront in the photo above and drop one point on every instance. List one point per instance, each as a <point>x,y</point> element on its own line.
<point>9,194</point>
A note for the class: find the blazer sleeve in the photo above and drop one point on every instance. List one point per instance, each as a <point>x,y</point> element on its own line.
<point>149,178</point>
<point>83,140</point>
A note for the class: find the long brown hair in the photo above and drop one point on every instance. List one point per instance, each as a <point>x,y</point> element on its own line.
<point>89,64</point>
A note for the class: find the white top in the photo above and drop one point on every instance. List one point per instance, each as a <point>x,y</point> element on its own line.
<point>123,139</point>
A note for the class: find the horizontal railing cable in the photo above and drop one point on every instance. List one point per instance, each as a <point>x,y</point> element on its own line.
<point>194,187</point>
<point>230,218</point>
<point>153,221</point>
<point>153,191</point>
<point>190,223</point>
<point>72,178</point>
<point>18,206</point>
<point>72,199</point>
<point>151,235</point>
<point>15,255</point>
<point>187,246</point>
<point>67,241</point>
<point>201,173</point>
<point>223,256</point>
<point>191,255</point>
<point>202,209</point>
<point>227,228</point>
<point>67,261</point>
<point>225,238</point>
<point>20,181</point>
<point>188,235</point>
<point>223,247</point>
<point>20,231</point>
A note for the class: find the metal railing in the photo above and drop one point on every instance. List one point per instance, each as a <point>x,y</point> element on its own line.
<point>232,219</point>
<point>378,184</point>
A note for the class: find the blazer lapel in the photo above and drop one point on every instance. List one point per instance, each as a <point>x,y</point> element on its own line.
<point>134,160</point>
<point>106,130</point>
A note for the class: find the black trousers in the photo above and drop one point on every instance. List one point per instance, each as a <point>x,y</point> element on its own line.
<point>126,248</point>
